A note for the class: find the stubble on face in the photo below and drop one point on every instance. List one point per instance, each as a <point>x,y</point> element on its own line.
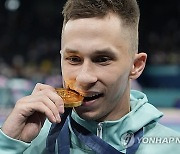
<point>112,106</point>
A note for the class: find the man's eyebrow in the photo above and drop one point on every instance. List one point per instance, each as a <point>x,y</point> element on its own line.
<point>71,51</point>
<point>106,52</point>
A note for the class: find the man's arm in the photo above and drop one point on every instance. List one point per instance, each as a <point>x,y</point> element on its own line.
<point>11,146</point>
<point>28,116</point>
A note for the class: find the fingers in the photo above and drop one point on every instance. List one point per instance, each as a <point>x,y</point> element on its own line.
<point>51,97</point>
<point>40,87</point>
<point>43,89</point>
<point>43,99</point>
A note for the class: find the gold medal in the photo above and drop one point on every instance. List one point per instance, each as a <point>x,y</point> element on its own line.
<point>70,97</point>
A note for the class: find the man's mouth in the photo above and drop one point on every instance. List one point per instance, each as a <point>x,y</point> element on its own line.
<point>89,96</point>
<point>92,97</point>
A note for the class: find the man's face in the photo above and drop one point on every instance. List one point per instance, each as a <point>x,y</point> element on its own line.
<point>96,62</point>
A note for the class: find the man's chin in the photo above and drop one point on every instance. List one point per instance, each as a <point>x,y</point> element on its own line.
<point>87,115</point>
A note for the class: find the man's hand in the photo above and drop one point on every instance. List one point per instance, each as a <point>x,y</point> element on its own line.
<point>28,116</point>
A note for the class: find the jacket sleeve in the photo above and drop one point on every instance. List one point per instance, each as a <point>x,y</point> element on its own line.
<point>37,146</point>
<point>11,146</point>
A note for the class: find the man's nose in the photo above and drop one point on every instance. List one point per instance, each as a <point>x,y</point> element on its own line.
<point>86,76</point>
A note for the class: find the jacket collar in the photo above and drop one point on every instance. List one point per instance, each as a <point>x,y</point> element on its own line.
<point>140,115</point>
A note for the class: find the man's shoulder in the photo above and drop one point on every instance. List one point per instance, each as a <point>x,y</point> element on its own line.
<point>158,129</point>
<point>159,139</point>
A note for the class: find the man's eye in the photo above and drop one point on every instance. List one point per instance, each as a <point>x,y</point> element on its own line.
<point>102,59</point>
<point>74,60</point>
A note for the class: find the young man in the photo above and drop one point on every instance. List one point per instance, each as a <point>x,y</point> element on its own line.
<point>99,57</point>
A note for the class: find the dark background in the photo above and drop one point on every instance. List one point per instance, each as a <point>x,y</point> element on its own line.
<point>30,40</point>
<point>38,21</point>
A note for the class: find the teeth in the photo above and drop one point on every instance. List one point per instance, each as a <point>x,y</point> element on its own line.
<point>87,94</point>
<point>92,95</point>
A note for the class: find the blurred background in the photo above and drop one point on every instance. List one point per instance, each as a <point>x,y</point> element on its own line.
<point>30,42</point>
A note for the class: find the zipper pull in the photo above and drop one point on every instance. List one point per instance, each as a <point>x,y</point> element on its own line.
<point>99,130</point>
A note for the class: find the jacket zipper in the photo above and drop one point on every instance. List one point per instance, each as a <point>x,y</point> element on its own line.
<point>99,130</point>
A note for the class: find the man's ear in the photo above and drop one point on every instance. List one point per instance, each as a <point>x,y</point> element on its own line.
<point>138,66</point>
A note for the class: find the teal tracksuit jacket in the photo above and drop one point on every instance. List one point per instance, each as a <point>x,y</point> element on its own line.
<point>157,138</point>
